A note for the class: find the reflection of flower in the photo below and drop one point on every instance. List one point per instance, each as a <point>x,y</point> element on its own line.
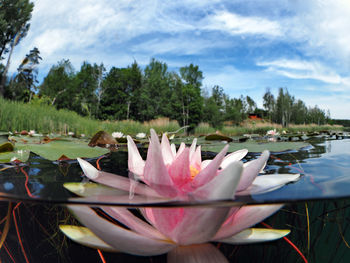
<point>182,176</point>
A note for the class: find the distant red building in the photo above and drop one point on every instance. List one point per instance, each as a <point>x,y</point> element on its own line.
<point>253,116</point>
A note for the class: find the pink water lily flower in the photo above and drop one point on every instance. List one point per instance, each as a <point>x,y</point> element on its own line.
<point>183,233</point>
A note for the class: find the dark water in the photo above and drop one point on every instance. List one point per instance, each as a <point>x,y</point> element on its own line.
<point>320,197</point>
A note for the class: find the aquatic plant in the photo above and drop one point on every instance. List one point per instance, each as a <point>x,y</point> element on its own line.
<point>178,176</point>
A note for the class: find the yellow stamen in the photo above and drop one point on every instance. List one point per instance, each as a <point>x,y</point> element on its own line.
<point>193,172</point>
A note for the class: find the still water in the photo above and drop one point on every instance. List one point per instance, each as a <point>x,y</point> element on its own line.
<point>316,208</point>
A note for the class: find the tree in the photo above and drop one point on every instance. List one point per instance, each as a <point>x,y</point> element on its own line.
<point>192,102</point>
<point>251,104</point>
<point>85,85</point>
<point>155,92</point>
<point>284,106</point>
<point>58,85</point>
<point>269,104</point>
<point>214,107</point>
<point>114,96</point>
<point>23,85</point>
<point>14,18</point>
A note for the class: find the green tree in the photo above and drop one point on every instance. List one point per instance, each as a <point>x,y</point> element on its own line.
<point>155,93</point>
<point>14,18</point>
<point>214,107</point>
<point>192,101</point>
<point>58,85</point>
<point>23,86</point>
<point>251,104</point>
<point>284,105</point>
<point>114,95</point>
<point>86,84</point>
<point>269,104</point>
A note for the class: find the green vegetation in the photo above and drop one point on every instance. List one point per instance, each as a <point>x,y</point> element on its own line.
<point>17,116</point>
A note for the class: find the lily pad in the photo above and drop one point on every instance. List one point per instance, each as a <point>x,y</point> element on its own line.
<point>218,137</point>
<point>251,145</point>
<point>6,147</point>
<point>255,146</point>
<point>54,148</point>
<point>19,155</point>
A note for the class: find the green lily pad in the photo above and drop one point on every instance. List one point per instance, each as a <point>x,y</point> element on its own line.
<point>218,137</point>
<point>6,147</point>
<point>255,146</point>
<point>54,148</point>
<point>20,155</point>
<point>251,145</point>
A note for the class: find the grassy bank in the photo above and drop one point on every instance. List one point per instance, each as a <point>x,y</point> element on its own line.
<point>17,116</point>
<point>249,127</point>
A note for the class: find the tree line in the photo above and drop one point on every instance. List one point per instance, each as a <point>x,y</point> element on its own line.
<point>132,93</point>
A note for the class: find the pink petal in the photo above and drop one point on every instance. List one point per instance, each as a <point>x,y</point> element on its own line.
<point>205,163</point>
<point>193,147</point>
<point>187,226</point>
<point>251,170</point>
<point>173,149</point>
<point>269,182</point>
<point>120,238</point>
<point>194,227</point>
<point>203,253</point>
<point>179,170</point>
<point>196,159</point>
<point>125,217</point>
<point>245,217</point>
<point>167,153</point>
<point>210,171</point>
<point>155,173</point>
<point>114,180</point>
<point>135,163</point>
<point>223,186</point>
<point>233,157</point>
<point>181,148</point>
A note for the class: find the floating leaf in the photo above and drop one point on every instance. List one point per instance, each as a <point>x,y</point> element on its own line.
<point>6,147</point>
<point>19,155</point>
<point>71,149</point>
<point>253,146</point>
<point>218,137</point>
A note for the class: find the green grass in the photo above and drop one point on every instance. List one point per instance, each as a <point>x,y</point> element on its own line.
<point>17,116</point>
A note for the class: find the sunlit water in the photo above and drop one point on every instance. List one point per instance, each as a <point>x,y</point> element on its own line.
<point>325,169</point>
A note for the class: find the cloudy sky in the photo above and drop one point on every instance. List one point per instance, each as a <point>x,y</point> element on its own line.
<point>244,46</point>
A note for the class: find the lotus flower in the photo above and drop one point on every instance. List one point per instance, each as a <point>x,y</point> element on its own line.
<point>183,233</point>
<point>117,135</point>
<point>141,135</point>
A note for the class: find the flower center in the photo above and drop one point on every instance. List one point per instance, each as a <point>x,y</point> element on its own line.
<point>193,172</point>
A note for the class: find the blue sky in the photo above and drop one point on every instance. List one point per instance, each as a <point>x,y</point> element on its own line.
<point>244,46</point>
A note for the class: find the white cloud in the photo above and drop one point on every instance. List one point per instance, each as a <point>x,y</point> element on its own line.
<point>299,69</point>
<point>321,28</point>
<point>235,24</point>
